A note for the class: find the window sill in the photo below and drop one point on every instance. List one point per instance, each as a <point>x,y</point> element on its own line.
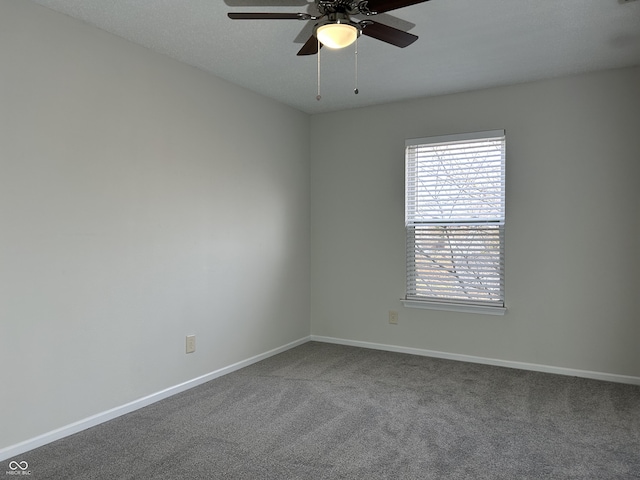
<point>454,307</point>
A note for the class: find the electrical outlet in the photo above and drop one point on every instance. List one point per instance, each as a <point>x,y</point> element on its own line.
<point>393,318</point>
<point>191,343</point>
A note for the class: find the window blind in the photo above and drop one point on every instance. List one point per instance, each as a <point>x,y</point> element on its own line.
<point>454,215</point>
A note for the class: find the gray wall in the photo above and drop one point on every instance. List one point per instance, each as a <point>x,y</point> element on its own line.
<point>572,226</point>
<point>141,200</point>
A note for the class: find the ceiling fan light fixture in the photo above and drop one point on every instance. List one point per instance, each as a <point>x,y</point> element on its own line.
<point>337,35</point>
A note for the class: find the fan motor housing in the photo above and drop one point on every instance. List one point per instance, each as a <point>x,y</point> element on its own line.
<point>340,18</point>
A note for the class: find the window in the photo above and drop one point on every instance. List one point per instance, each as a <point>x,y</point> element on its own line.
<point>454,217</point>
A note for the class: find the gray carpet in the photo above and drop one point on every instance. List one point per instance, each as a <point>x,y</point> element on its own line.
<point>323,411</point>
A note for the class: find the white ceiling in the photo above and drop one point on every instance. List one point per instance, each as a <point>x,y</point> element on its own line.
<point>463,45</point>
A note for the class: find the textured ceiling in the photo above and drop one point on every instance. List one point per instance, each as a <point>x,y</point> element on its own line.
<point>463,45</point>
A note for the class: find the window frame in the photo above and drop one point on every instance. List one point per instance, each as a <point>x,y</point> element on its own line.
<point>450,303</point>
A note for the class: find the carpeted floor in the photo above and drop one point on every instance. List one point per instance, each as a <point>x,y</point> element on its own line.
<point>322,411</point>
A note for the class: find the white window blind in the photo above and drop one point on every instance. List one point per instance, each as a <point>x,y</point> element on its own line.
<point>454,215</point>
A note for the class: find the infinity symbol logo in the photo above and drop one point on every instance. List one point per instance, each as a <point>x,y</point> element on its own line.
<point>18,465</point>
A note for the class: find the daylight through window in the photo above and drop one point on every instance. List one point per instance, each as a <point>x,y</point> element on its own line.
<point>454,216</point>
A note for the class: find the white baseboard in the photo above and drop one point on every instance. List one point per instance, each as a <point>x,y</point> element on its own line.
<point>22,447</point>
<point>608,377</point>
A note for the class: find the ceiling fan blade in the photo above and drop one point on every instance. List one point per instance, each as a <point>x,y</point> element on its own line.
<point>310,47</point>
<point>388,34</point>
<point>390,20</point>
<point>381,6</point>
<point>267,16</point>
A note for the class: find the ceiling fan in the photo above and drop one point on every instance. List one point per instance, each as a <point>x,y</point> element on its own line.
<point>335,27</point>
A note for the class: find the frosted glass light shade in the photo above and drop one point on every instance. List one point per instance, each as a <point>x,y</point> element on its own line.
<point>337,35</point>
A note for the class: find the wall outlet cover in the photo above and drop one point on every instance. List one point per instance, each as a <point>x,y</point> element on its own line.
<point>191,343</point>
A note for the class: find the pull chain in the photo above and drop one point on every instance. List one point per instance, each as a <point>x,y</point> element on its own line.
<point>355,90</point>
<point>318,97</point>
